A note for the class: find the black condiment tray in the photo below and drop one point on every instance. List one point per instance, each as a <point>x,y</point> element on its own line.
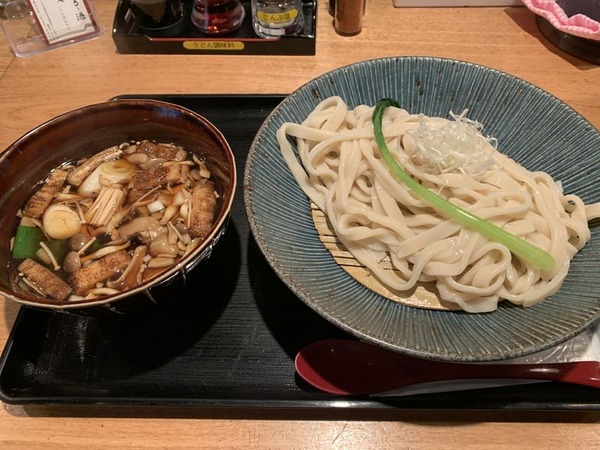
<point>185,38</point>
<point>224,341</point>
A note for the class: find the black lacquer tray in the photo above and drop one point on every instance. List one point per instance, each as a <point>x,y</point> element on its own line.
<point>225,340</point>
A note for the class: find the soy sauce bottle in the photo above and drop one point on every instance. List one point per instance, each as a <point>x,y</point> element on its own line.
<point>218,16</point>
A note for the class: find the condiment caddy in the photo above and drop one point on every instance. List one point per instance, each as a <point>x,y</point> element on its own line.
<point>189,30</point>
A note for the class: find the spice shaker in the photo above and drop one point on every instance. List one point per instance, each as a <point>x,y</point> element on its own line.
<point>158,17</point>
<point>348,16</point>
<point>276,18</point>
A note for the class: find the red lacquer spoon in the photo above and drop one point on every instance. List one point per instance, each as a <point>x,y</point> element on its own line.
<point>348,367</point>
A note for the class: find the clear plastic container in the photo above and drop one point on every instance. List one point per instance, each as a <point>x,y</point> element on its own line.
<point>36,26</point>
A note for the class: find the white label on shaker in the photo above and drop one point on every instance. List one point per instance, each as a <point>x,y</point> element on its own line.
<point>62,20</point>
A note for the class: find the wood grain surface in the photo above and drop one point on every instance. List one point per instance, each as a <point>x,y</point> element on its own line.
<point>33,90</point>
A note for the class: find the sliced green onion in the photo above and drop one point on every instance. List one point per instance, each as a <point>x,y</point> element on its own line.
<point>59,248</point>
<point>519,247</point>
<point>27,242</point>
<point>96,245</point>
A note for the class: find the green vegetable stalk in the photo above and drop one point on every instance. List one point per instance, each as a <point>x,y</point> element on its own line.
<point>27,242</point>
<point>59,248</point>
<point>519,247</point>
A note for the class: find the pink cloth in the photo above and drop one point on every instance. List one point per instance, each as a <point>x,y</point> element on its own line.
<point>577,25</point>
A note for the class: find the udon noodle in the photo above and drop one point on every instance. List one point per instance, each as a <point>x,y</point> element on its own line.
<point>338,165</point>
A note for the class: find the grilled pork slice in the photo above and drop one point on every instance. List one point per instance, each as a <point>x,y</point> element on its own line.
<point>204,207</point>
<point>44,280</point>
<point>98,271</point>
<point>161,176</point>
<point>39,201</point>
<point>82,171</point>
<point>162,151</point>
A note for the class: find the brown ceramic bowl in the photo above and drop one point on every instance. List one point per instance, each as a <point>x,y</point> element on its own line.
<point>29,160</point>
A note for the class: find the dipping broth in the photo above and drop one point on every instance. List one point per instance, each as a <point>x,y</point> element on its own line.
<point>114,220</point>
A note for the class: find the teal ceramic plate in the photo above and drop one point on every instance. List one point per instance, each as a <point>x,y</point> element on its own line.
<point>532,126</point>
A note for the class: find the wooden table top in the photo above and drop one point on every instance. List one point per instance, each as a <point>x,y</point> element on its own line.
<point>35,89</point>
